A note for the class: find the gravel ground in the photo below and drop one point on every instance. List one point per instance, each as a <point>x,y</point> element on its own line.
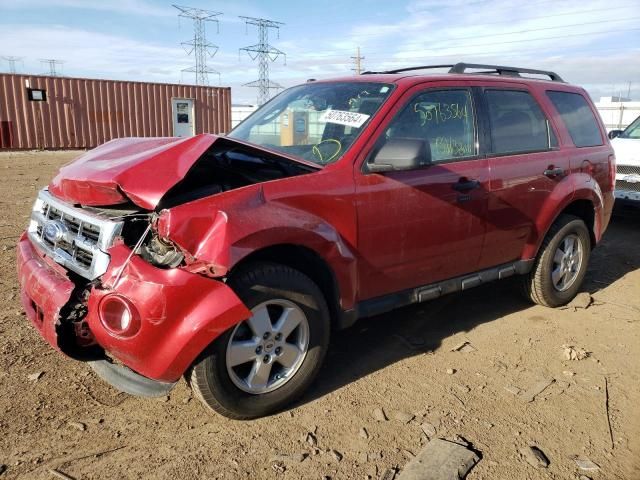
<point>56,414</point>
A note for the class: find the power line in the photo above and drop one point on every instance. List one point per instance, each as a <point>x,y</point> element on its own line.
<point>496,22</point>
<point>264,53</point>
<point>12,60</point>
<point>53,63</point>
<point>357,60</point>
<point>199,46</point>
<point>338,55</point>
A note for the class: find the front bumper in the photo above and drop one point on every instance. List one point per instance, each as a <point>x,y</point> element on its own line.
<point>44,291</point>
<point>181,312</point>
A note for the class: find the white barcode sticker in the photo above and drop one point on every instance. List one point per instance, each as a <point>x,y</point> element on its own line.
<point>350,119</point>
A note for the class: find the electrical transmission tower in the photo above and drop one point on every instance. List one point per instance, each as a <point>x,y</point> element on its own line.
<point>11,60</point>
<point>52,62</point>
<point>265,53</point>
<point>199,46</point>
<point>357,60</point>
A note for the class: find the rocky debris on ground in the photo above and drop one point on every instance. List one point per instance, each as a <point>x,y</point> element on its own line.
<point>3,468</point>
<point>464,347</point>
<point>513,389</point>
<point>536,389</point>
<point>428,429</point>
<point>451,371</point>
<point>379,415</point>
<point>569,352</point>
<point>336,455</point>
<point>403,417</point>
<point>311,439</point>
<point>586,464</point>
<point>584,477</point>
<point>568,373</point>
<point>581,301</point>
<point>78,426</point>
<point>363,433</point>
<point>534,456</point>
<point>440,460</point>
<point>286,458</point>
<point>34,377</point>
<point>389,474</point>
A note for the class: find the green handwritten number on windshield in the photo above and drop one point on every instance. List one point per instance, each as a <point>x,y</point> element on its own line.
<point>440,112</point>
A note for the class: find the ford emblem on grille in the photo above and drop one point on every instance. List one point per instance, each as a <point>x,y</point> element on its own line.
<point>54,231</point>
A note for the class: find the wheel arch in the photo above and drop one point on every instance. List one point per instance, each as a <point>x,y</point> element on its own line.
<point>308,262</point>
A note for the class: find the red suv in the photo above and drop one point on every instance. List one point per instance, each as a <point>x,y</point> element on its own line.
<point>230,259</point>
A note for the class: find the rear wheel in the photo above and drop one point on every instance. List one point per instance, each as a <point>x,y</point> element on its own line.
<point>262,364</point>
<point>561,264</point>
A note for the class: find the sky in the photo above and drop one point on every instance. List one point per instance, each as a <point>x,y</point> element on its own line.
<point>593,43</point>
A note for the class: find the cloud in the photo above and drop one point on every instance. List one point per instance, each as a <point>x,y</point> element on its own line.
<point>134,7</point>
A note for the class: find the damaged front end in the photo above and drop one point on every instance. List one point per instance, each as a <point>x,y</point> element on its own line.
<point>100,282</point>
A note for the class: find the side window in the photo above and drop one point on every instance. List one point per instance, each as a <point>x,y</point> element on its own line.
<point>517,123</point>
<point>443,118</point>
<point>578,117</point>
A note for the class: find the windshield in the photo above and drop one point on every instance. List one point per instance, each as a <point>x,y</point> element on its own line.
<point>315,121</point>
<point>632,131</point>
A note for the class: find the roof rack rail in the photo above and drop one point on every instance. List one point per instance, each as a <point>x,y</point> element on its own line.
<point>488,69</point>
<point>502,70</point>
<point>408,69</point>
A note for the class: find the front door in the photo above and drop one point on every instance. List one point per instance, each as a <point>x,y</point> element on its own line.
<point>424,225</point>
<point>183,121</point>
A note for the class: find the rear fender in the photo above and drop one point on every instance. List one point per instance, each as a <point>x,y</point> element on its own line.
<point>578,187</point>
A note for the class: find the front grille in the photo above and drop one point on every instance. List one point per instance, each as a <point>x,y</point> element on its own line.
<point>74,238</point>
<point>627,186</point>
<point>628,169</point>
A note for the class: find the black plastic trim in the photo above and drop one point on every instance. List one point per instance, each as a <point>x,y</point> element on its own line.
<point>128,381</point>
<point>386,303</point>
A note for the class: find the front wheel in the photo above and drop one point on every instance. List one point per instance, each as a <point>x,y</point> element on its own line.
<point>561,264</point>
<point>266,362</point>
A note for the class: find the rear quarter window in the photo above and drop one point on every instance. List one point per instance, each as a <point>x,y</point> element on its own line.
<point>578,118</point>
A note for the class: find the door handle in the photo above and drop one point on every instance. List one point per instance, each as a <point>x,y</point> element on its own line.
<point>553,172</point>
<point>466,185</point>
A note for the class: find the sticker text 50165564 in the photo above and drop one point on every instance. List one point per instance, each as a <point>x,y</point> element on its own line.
<point>350,119</point>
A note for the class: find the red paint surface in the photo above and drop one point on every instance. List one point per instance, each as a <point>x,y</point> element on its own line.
<point>143,168</point>
<point>43,290</point>
<point>378,233</point>
<point>182,313</point>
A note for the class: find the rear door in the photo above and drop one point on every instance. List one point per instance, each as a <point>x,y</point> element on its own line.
<point>525,165</point>
<point>420,226</point>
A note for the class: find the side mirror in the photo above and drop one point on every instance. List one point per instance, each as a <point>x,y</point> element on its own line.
<point>614,133</point>
<point>401,154</point>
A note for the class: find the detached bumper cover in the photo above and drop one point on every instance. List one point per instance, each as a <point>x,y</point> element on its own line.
<point>181,314</point>
<point>43,291</point>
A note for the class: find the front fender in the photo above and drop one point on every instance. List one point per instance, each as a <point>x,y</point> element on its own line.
<point>216,236</point>
<point>181,313</point>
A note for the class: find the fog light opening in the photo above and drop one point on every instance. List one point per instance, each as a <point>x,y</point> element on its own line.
<point>119,316</point>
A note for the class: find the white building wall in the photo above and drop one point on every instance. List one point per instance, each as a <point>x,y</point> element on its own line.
<point>240,112</point>
<point>616,115</point>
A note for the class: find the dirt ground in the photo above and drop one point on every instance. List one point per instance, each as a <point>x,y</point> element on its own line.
<point>71,421</point>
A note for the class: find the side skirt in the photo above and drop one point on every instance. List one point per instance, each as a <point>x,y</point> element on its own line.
<point>386,303</point>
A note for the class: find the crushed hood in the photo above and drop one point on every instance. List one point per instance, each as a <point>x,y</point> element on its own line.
<point>136,169</point>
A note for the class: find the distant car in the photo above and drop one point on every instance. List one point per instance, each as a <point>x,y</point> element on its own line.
<point>230,259</point>
<point>626,144</point>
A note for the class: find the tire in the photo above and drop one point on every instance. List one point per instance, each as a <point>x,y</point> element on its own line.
<point>240,392</point>
<point>540,285</point>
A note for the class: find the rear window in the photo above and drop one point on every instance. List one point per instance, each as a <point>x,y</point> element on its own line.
<point>517,123</point>
<point>578,117</point>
